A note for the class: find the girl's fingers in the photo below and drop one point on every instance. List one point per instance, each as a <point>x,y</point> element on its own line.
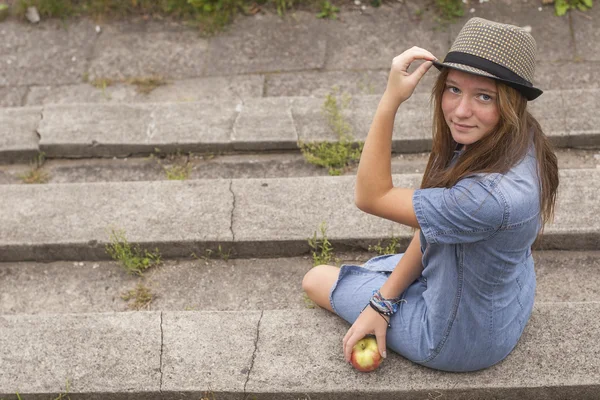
<point>422,70</point>
<point>403,61</point>
<point>349,345</point>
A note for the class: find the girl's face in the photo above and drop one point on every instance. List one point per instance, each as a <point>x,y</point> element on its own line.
<point>469,106</point>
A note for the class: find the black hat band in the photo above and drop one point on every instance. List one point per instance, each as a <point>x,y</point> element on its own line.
<point>485,65</point>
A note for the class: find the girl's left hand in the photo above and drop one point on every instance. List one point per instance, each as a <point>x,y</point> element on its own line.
<point>368,322</point>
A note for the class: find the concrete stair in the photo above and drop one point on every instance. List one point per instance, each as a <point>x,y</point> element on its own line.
<point>245,216</point>
<point>276,354</point>
<point>568,117</point>
<point>241,328</point>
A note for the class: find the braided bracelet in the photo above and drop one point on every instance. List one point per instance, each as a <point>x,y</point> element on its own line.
<point>384,306</point>
<point>386,321</point>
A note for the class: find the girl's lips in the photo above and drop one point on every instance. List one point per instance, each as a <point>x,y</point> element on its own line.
<point>462,127</point>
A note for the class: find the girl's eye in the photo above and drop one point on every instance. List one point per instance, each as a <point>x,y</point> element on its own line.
<point>454,89</point>
<point>485,97</point>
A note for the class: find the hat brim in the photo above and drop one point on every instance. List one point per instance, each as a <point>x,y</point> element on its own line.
<point>531,93</point>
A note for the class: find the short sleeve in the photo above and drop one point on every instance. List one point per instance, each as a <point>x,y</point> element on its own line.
<point>470,211</point>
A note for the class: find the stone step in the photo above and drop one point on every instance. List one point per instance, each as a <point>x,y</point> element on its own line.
<point>275,354</point>
<point>247,217</point>
<point>227,166</point>
<point>569,118</point>
<point>230,285</point>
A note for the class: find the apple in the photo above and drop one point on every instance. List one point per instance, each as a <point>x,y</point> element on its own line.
<point>365,355</point>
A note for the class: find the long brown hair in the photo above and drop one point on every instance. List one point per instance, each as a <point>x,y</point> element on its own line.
<point>498,151</point>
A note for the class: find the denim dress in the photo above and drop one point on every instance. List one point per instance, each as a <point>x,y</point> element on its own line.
<point>470,305</point>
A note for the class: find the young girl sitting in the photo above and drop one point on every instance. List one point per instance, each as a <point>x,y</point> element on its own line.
<point>460,296</point>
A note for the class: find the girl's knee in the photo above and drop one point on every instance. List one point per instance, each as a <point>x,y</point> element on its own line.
<point>316,276</point>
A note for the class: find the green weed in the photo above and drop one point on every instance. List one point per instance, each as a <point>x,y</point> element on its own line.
<point>35,173</point>
<point>178,172</point>
<point>4,12</point>
<point>132,258</point>
<point>336,156</point>
<point>146,85</point>
<point>322,250</point>
<point>218,253</point>
<point>391,248</point>
<point>449,9</point>
<point>180,168</point>
<point>138,298</point>
<point>328,10</point>
<point>562,6</point>
<point>209,16</point>
<point>339,155</point>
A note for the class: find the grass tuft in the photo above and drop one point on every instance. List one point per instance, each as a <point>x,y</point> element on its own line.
<point>391,247</point>
<point>449,10</point>
<point>146,85</point>
<point>132,258</point>
<point>138,298</point>
<point>36,175</point>
<point>322,250</point>
<point>342,154</point>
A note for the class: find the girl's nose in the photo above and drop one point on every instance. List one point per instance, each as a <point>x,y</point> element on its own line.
<point>463,109</point>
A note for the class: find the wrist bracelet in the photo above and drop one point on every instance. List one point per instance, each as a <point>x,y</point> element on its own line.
<point>385,306</point>
<point>386,321</point>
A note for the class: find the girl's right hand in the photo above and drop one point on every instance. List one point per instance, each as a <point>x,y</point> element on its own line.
<point>401,84</point>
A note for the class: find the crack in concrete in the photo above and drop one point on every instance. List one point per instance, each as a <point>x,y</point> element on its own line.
<point>265,83</point>
<point>161,352</point>
<point>151,127</point>
<point>254,353</point>
<point>232,211</point>
<point>37,128</point>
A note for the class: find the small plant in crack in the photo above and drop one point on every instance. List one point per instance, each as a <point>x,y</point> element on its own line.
<point>322,250</point>
<point>344,152</point>
<point>139,298</point>
<point>179,166</point>
<point>35,173</point>
<point>134,259</point>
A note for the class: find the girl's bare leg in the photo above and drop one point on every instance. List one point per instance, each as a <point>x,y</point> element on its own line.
<point>317,284</point>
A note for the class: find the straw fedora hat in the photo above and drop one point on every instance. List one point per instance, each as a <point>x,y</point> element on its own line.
<point>499,51</point>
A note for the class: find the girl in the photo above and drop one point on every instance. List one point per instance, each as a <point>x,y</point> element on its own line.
<point>458,299</point>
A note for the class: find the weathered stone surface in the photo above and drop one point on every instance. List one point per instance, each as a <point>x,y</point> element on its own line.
<point>549,110</point>
<point>279,215</point>
<point>208,351</point>
<point>74,221</point>
<point>180,91</point>
<point>412,127</point>
<point>214,284</point>
<point>199,126</point>
<point>265,124</point>
<point>268,43</point>
<point>119,130</point>
<point>82,93</point>
<point>12,96</point>
<point>321,83</point>
<point>359,41</point>
<point>96,353</point>
<point>586,29</point>
<point>582,117</point>
<point>46,53</point>
<point>289,362</point>
<point>18,137</point>
<point>173,54</point>
<point>576,221</point>
<point>565,75</point>
<point>95,130</point>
